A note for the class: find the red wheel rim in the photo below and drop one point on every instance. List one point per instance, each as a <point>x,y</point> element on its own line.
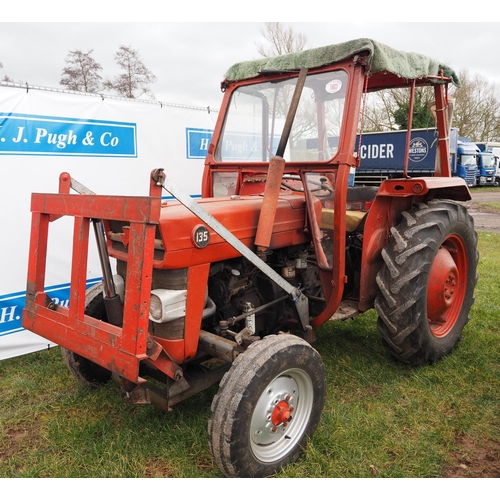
<point>447,286</point>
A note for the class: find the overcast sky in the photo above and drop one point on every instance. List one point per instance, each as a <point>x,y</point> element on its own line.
<point>189,59</point>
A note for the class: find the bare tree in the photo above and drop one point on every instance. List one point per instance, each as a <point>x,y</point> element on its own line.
<point>477,108</point>
<point>135,77</point>
<point>379,112</point>
<point>282,40</point>
<point>82,72</point>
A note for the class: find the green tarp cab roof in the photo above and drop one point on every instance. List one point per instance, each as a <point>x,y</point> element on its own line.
<point>382,59</point>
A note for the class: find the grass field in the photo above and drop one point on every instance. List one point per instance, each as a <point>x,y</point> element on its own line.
<point>381,419</point>
<point>492,204</point>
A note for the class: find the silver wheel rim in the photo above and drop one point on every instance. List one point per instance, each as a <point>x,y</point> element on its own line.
<point>281,415</point>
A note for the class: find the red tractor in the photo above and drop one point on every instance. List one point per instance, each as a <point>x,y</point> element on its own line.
<point>229,289</point>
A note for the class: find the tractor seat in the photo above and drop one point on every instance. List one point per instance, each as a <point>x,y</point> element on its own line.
<point>354,219</point>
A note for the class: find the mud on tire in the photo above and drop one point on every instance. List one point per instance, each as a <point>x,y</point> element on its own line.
<point>89,374</point>
<point>426,285</point>
<point>268,404</point>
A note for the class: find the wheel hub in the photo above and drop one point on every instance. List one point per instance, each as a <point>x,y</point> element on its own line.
<point>442,283</point>
<point>274,411</point>
<point>445,291</point>
<point>278,412</point>
<point>281,415</point>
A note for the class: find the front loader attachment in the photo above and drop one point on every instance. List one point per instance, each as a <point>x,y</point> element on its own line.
<point>119,349</point>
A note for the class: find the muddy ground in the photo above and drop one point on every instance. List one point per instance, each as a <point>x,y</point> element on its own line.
<point>485,218</point>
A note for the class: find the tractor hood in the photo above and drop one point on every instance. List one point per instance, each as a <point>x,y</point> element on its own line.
<point>177,246</point>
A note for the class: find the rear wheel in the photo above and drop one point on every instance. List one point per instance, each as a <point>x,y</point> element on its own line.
<point>268,404</point>
<point>426,286</point>
<point>88,373</point>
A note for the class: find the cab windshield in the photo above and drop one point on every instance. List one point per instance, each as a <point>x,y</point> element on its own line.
<point>489,161</point>
<point>468,160</point>
<point>256,116</point>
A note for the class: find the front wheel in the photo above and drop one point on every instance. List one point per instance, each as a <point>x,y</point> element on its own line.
<point>426,286</point>
<point>89,374</point>
<point>268,404</point>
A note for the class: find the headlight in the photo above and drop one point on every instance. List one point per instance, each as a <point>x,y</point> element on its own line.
<point>167,305</point>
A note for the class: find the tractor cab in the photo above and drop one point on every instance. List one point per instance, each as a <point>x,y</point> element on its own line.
<point>306,109</point>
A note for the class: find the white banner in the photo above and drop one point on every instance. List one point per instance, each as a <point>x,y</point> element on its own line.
<point>110,146</point>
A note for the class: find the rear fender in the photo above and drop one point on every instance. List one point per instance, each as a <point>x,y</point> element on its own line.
<point>394,197</point>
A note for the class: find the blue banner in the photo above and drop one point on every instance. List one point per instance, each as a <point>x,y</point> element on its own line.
<point>197,142</point>
<point>11,305</point>
<point>52,136</point>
